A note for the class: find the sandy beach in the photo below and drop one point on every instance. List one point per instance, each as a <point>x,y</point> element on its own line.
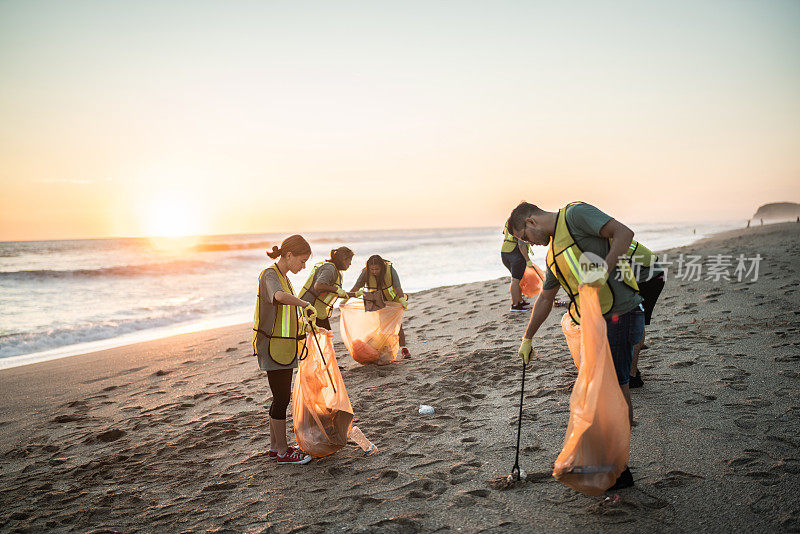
<point>171,435</point>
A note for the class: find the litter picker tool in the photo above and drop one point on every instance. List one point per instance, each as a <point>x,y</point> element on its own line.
<point>322,355</point>
<point>515,472</point>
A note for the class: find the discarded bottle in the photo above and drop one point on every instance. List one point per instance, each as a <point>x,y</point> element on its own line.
<point>361,440</point>
<point>424,409</point>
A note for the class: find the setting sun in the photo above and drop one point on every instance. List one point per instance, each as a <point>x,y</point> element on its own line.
<point>169,215</point>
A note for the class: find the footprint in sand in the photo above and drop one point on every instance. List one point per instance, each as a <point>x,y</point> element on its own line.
<point>69,418</point>
<point>107,436</point>
<point>700,398</point>
<point>403,523</point>
<point>675,479</point>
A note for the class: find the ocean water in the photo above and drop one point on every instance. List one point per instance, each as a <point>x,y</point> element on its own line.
<point>60,298</point>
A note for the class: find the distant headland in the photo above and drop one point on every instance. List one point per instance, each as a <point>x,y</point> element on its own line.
<point>778,210</point>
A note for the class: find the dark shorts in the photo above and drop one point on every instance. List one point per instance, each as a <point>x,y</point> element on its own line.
<point>650,291</point>
<point>515,263</point>
<point>324,323</point>
<point>624,331</point>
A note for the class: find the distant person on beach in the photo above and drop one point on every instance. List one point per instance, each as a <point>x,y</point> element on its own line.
<point>573,231</point>
<point>650,278</point>
<point>514,255</point>
<point>278,334</point>
<point>380,275</point>
<point>324,284</point>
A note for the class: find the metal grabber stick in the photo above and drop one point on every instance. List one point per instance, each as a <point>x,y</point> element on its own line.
<point>515,470</point>
<point>322,355</point>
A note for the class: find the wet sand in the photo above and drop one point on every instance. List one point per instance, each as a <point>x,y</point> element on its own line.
<point>171,435</point>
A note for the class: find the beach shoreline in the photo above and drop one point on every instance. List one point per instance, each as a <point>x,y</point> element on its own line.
<point>75,333</point>
<point>171,434</point>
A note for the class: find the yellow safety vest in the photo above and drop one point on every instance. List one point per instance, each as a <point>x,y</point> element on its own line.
<point>509,241</point>
<point>323,304</point>
<point>389,291</point>
<point>641,255</point>
<point>563,260</point>
<point>287,338</point>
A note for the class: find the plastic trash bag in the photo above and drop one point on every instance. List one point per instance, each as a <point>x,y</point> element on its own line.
<point>321,410</point>
<point>371,337</point>
<point>572,332</point>
<point>598,435</point>
<point>532,280</point>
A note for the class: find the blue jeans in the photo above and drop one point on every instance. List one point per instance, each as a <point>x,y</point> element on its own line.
<point>624,331</point>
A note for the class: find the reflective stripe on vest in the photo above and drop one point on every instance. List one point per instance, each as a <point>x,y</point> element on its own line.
<point>641,255</point>
<point>389,291</point>
<point>287,338</point>
<point>563,260</point>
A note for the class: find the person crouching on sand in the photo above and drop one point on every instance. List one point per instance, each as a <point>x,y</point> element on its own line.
<point>576,230</point>
<point>278,338</point>
<point>379,275</point>
<point>514,255</point>
<point>324,284</point>
<point>650,277</point>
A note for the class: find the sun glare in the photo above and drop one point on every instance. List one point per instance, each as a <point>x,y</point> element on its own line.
<point>169,220</point>
<point>170,216</point>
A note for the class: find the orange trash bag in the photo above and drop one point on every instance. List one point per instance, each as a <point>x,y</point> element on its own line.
<point>532,280</point>
<point>371,337</point>
<point>572,332</point>
<point>321,410</point>
<point>598,435</point>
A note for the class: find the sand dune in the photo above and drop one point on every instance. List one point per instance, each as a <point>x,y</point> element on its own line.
<point>171,435</point>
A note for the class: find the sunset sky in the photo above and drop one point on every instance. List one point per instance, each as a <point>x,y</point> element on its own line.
<point>142,117</point>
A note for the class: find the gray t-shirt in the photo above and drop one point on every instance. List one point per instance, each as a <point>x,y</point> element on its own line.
<point>326,274</point>
<point>362,279</point>
<point>585,221</point>
<point>268,285</point>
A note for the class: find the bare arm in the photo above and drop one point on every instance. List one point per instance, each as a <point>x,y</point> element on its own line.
<point>622,237</point>
<point>361,281</point>
<point>285,298</point>
<point>541,309</point>
<point>523,247</point>
<point>319,287</point>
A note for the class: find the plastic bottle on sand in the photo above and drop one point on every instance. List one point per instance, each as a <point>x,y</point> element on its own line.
<point>361,440</point>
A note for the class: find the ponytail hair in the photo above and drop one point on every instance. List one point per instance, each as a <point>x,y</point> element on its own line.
<point>296,244</point>
<point>340,255</point>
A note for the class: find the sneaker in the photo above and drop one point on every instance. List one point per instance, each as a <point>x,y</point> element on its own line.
<point>636,381</point>
<point>518,308</point>
<point>274,454</point>
<point>405,352</point>
<point>294,456</point>
<point>624,480</point>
